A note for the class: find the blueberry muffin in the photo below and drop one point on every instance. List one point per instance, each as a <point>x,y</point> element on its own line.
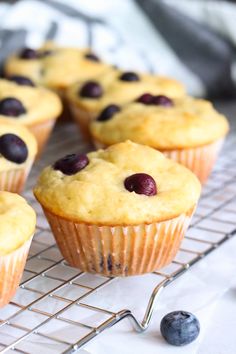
<point>34,107</point>
<point>187,130</point>
<point>87,98</point>
<point>18,149</point>
<point>17,226</point>
<point>120,211</point>
<point>55,67</point>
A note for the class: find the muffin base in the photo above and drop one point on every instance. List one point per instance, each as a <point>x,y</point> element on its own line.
<point>82,119</point>
<point>11,270</point>
<point>199,160</point>
<point>119,250</point>
<point>14,180</point>
<point>66,113</point>
<point>42,131</point>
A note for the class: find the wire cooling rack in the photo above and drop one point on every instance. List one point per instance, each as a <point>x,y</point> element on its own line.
<point>58,308</point>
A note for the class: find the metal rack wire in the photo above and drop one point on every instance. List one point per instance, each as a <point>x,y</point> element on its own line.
<point>52,307</point>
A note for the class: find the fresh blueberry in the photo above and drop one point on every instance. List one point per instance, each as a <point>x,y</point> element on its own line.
<point>129,76</point>
<point>108,112</point>
<point>141,183</point>
<point>71,164</point>
<point>92,57</point>
<point>11,107</point>
<point>21,80</point>
<point>180,328</point>
<point>13,148</point>
<point>28,53</point>
<point>146,98</point>
<point>161,100</point>
<point>91,89</point>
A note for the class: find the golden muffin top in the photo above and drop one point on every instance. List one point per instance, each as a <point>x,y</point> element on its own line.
<point>17,222</point>
<point>17,145</point>
<point>161,123</point>
<point>26,104</point>
<point>126,184</point>
<point>54,66</point>
<point>119,88</point>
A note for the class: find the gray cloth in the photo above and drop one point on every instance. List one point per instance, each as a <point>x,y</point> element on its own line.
<point>193,41</point>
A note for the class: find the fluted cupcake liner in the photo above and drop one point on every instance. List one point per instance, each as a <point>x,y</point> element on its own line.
<point>11,270</point>
<point>42,131</point>
<point>200,160</point>
<point>82,118</point>
<point>14,180</point>
<point>119,250</point>
<point>66,112</point>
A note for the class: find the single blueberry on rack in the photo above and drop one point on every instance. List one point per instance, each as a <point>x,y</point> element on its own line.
<point>180,328</point>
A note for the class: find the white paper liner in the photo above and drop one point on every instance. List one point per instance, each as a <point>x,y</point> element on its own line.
<point>14,180</point>
<point>82,118</point>
<point>119,250</point>
<point>199,160</point>
<point>11,270</point>
<point>42,131</point>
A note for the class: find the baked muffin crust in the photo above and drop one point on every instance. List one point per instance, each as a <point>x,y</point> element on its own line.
<point>40,104</point>
<point>17,222</point>
<point>188,123</point>
<point>23,133</point>
<point>62,67</point>
<point>97,193</point>
<point>117,91</point>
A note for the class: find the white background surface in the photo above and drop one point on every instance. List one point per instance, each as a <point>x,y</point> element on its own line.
<point>208,290</point>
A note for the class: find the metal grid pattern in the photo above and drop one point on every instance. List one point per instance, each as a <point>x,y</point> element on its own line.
<point>55,307</point>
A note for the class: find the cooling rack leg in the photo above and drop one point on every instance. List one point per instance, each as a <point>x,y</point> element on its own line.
<point>142,326</point>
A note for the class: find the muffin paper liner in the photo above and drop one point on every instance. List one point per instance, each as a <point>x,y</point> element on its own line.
<point>14,180</point>
<point>11,270</point>
<point>199,160</point>
<point>119,250</point>
<point>82,118</point>
<point>42,131</point>
<point>66,112</point>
